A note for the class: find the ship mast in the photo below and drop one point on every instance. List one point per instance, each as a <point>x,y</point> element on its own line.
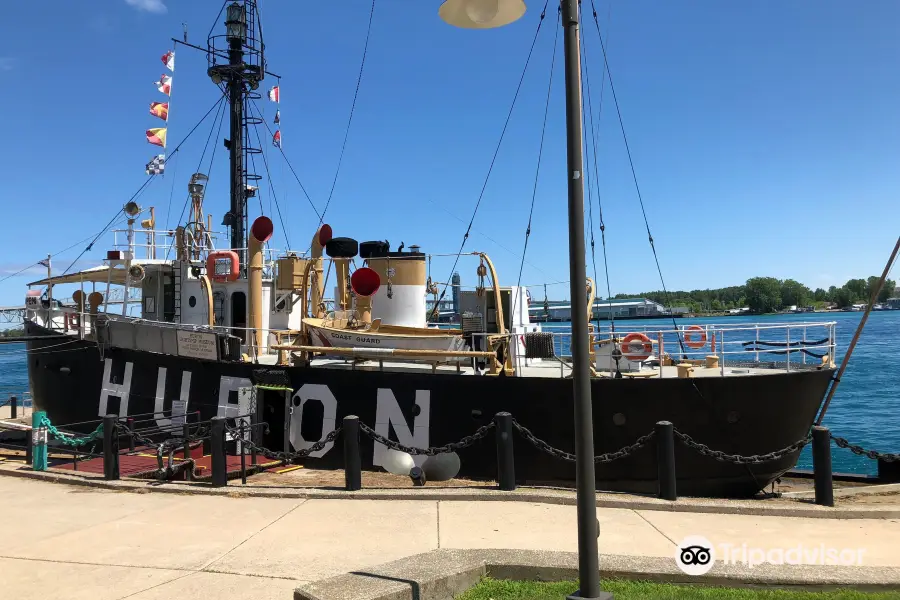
<point>237,65</point>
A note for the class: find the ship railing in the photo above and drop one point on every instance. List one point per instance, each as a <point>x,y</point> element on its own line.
<point>157,243</point>
<point>272,335</point>
<point>788,346</point>
<point>160,244</point>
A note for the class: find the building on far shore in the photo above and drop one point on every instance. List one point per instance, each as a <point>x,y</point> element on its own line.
<point>893,303</point>
<point>620,308</point>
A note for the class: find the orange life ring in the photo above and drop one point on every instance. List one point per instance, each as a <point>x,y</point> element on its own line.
<point>689,337</point>
<point>231,270</point>
<point>636,347</point>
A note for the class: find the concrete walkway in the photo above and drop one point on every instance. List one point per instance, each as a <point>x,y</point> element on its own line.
<point>77,542</point>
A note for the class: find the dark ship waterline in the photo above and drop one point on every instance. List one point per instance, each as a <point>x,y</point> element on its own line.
<point>212,324</point>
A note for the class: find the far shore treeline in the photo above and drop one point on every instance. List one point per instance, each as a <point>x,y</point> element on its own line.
<point>768,294</point>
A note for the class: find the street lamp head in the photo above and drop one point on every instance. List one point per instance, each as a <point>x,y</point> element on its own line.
<point>481,14</point>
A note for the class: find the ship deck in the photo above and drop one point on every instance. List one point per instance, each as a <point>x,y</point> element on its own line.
<point>548,369</point>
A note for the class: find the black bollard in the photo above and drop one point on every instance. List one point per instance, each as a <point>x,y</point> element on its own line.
<point>665,461</point>
<point>821,451</point>
<point>506,466</point>
<point>255,436</point>
<point>186,436</point>
<point>217,451</point>
<point>288,415</point>
<point>130,422</point>
<point>243,454</point>
<point>13,407</point>
<point>352,460</point>
<point>110,447</point>
<point>888,472</point>
<point>29,448</point>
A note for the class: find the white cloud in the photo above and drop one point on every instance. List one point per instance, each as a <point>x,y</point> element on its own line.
<point>7,63</point>
<point>153,6</point>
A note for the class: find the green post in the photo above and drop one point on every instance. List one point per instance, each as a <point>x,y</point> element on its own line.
<point>39,441</point>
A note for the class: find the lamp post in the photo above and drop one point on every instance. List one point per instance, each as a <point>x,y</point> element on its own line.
<point>486,14</point>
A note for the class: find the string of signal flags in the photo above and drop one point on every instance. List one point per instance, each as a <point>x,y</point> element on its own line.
<point>275,96</point>
<point>157,135</point>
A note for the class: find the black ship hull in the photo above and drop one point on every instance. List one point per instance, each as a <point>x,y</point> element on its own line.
<point>743,415</point>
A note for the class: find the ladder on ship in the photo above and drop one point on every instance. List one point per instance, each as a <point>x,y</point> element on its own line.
<point>176,284</point>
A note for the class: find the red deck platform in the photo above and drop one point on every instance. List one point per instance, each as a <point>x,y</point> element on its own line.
<point>143,460</point>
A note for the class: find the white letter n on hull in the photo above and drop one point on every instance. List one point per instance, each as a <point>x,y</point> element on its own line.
<point>388,415</point>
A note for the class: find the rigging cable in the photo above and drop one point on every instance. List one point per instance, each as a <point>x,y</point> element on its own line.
<point>178,147</point>
<point>262,210</point>
<point>488,238</point>
<point>350,119</point>
<point>497,149</point>
<point>272,193</point>
<point>540,152</point>
<point>589,142</point>
<point>34,264</point>
<point>290,166</point>
<point>166,160</point>
<point>612,90</point>
<point>594,140</point>
<point>117,214</point>
<point>220,117</point>
<point>172,189</point>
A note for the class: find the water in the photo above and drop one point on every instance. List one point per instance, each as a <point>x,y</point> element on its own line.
<point>13,372</point>
<point>865,409</point>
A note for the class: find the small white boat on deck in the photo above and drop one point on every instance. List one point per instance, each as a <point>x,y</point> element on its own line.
<point>340,331</point>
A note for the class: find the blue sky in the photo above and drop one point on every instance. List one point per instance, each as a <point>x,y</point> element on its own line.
<point>764,135</point>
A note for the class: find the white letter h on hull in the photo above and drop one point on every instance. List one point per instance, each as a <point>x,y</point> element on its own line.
<point>121,391</point>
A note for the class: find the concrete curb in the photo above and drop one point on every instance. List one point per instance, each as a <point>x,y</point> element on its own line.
<point>869,490</point>
<point>443,574</point>
<point>530,495</point>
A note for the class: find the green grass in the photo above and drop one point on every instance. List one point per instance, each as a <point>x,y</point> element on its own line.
<point>493,589</point>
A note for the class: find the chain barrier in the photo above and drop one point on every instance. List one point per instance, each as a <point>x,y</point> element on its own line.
<point>72,442</point>
<point>642,441</point>
<point>285,457</point>
<point>737,459</point>
<point>563,455</point>
<point>433,450</point>
<point>860,451</point>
